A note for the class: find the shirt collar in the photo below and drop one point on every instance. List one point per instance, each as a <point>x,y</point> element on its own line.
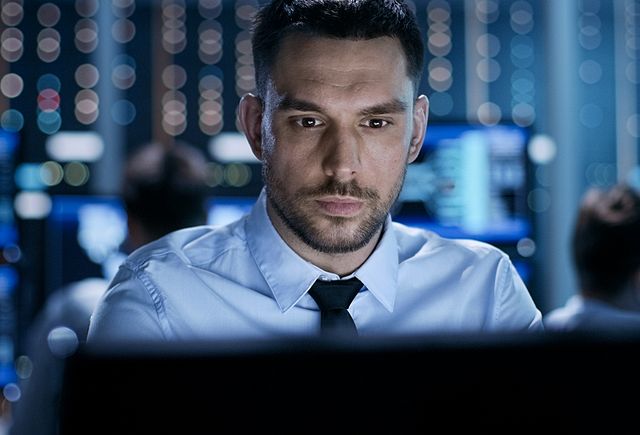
<point>290,276</point>
<point>380,272</point>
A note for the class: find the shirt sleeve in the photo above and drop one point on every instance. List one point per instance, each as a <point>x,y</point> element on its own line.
<point>128,311</point>
<point>515,308</point>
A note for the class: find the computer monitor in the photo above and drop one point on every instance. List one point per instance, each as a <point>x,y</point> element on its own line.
<point>226,209</point>
<point>470,180</point>
<point>84,235</point>
<point>502,383</point>
<point>10,143</point>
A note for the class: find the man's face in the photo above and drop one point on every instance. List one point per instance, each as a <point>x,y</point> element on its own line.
<point>339,128</point>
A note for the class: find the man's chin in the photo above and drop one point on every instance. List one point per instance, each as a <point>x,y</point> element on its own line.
<point>335,240</point>
<point>335,247</point>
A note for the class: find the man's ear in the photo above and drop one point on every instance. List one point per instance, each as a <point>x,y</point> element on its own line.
<point>420,118</point>
<point>250,117</point>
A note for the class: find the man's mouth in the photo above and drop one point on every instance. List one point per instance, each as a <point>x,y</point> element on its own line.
<point>342,206</point>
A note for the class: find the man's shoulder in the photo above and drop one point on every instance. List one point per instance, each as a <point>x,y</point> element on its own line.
<point>416,239</point>
<point>190,244</point>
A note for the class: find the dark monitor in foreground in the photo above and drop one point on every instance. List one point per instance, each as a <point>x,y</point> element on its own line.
<point>447,384</point>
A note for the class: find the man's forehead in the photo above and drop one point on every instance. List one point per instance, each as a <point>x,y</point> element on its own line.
<point>311,61</point>
<point>307,46</point>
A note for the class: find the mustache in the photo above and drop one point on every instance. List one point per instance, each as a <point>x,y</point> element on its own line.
<point>333,187</point>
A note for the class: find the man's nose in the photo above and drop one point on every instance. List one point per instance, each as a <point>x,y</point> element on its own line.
<point>343,147</point>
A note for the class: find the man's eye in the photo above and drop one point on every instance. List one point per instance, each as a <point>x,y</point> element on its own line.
<point>308,122</point>
<point>376,123</point>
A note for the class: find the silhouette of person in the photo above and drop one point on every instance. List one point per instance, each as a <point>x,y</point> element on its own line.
<point>606,255</point>
<point>164,189</point>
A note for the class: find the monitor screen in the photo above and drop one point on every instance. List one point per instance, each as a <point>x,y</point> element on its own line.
<point>469,181</point>
<point>83,238</point>
<point>226,209</point>
<point>10,142</point>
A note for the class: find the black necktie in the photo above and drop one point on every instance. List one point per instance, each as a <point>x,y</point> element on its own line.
<point>333,298</point>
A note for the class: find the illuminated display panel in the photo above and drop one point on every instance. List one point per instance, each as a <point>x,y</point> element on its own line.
<point>469,181</point>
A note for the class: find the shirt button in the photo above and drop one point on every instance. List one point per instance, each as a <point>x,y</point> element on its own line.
<point>324,277</point>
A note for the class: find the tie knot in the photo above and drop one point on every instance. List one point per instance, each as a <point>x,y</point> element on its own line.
<point>335,295</point>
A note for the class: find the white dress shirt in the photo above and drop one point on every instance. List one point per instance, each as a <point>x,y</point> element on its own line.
<point>243,281</point>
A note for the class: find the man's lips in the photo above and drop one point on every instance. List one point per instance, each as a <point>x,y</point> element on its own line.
<point>340,205</point>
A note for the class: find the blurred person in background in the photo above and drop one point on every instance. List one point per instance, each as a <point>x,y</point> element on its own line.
<point>606,256</point>
<point>163,190</point>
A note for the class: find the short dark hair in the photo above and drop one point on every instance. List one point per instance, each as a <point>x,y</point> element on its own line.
<point>165,188</point>
<point>348,19</point>
<point>606,239</point>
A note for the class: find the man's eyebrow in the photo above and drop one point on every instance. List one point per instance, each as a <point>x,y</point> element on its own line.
<point>393,106</point>
<point>288,103</point>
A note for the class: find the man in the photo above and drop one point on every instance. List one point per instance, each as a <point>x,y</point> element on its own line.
<point>606,254</point>
<point>335,121</point>
<point>164,189</point>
